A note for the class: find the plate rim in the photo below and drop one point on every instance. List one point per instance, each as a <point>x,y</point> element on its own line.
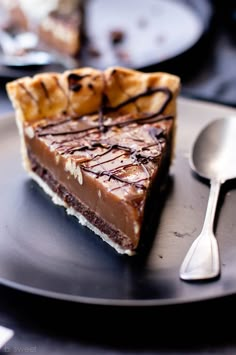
<point>106,301</point>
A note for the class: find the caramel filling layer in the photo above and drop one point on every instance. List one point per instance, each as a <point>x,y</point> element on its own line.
<point>108,166</point>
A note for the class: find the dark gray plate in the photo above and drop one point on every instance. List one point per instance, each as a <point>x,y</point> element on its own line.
<point>46,252</point>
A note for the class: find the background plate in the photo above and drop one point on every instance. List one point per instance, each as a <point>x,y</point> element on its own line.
<point>154,31</point>
<point>46,252</point>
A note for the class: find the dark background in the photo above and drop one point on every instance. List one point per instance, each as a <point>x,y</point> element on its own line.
<point>208,69</point>
<point>213,74</point>
<point>42,326</point>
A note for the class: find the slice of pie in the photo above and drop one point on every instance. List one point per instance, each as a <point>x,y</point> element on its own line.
<point>58,24</point>
<point>99,143</point>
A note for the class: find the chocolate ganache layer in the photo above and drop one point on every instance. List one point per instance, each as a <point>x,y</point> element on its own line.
<point>103,165</point>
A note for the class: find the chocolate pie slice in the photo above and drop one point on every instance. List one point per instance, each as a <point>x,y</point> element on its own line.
<point>99,143</point>
<point>58,24</point>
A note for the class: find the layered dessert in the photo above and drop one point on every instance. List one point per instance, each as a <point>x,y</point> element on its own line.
<point>99,143</point>
<point>58,23</point>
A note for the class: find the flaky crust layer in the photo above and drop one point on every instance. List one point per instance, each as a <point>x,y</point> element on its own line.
<point>81,91</point>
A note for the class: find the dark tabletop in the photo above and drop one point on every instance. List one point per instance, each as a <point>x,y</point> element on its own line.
<point>43,326</point>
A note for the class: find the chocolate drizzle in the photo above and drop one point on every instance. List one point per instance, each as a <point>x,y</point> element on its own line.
<point>113,176</point>
<point>102,127</point>
<point>135,154</point>
<point>148,92</point>
<point>74,81</point>
<point>146,118</point>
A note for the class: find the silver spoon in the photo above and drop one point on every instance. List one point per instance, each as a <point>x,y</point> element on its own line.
<point>15,51</point>
<point>37,58</point>
<point>34,58</point>
<point>213,158</point>
<point>20,51</point>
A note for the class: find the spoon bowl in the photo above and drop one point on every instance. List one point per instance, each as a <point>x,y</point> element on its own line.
<point>212,158</point>
<point>213,154</point>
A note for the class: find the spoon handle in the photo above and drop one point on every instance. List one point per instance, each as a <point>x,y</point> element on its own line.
<point>202,260</point>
